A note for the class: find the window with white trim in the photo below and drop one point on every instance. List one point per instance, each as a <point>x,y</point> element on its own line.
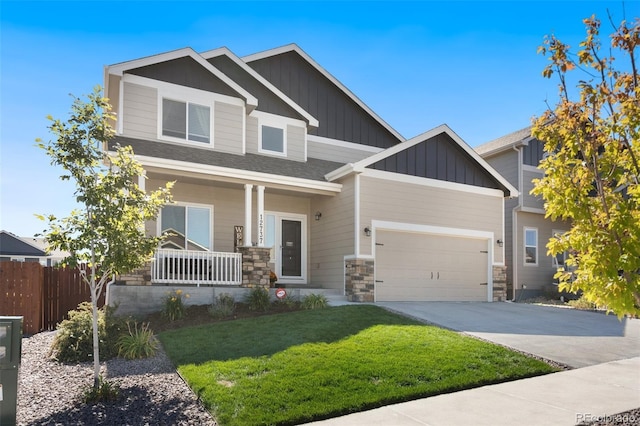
<point>272,139</point>
<point>186,120</point>
<point>559,259</point>
<point>530,246</point>
<point>188,227</point>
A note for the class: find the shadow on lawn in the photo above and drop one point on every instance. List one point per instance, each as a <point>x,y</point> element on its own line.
<point>270,334</point>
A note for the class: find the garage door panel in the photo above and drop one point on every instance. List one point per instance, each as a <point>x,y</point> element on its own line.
<point>426,267</point>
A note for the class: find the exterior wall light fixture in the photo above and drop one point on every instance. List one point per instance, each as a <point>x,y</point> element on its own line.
<point>318,215</point>
<point>500,243</point>
<point>367,231</point>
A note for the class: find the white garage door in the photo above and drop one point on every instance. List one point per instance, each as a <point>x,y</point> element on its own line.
<point>426,267</point>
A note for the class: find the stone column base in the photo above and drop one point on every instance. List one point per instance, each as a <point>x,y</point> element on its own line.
<point>359,284</point>
<point>255,267</point>
<point>140,276</point>
<point>499,283</point>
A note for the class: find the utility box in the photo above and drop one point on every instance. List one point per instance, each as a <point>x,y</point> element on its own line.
<point>10,354</point>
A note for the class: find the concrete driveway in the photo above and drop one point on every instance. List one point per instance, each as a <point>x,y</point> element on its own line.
<point>572,337</point>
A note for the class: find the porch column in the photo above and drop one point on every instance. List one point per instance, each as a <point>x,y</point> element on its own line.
<point>248,188</point>
<point>260,216</point>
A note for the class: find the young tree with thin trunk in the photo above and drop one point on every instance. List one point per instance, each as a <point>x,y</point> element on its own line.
<point>107,234</point>
<point>592,164</point>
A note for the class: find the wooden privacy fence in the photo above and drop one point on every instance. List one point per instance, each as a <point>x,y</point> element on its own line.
<point>42,295</point>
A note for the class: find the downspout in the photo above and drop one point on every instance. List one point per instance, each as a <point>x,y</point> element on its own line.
<point>514,224</point>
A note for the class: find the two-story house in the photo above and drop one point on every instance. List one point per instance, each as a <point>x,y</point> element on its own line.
<point>275,158</point>
<point>530,269</point>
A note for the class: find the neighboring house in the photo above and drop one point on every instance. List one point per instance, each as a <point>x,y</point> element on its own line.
<point>275,158</point>
<point>529,269</point>
<point>27,249</point>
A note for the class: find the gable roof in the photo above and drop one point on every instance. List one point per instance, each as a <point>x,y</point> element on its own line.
<point>506,142</point>
<point>471,156</point>
<point>11,244</point>
<point>298,86</point>
<point>211,55</point>
<point>186,52</point>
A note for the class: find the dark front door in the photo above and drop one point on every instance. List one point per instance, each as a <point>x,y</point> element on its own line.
<point>291,248</point>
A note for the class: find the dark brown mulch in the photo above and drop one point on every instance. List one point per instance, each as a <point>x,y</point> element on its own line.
<point>199,315</point>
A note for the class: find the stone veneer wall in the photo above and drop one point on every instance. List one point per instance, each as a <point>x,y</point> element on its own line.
<point>499,283</point>
<point>255,266</point>
<point>140,276</point>
<point>359,285</point>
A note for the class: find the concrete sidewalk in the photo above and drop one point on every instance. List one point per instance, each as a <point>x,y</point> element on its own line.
<point>564,398</point>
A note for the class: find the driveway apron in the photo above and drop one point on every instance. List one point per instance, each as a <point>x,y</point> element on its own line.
<point>572,337</point>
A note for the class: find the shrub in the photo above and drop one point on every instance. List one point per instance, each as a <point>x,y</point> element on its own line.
<point>139,342</point>
<point>224,306</point>
<point>258,299</point>
<point>105,392</point>
<point>74,340</point>
<point>314,301</point>
<point>582,303</point>
<point>174,308</point>
<point>288,301</point>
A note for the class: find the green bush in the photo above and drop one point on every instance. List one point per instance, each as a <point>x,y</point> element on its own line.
<point>224,306</point>
<point>582,303</point>
<point>138,342</point>
<point>105,392</point>
<point>174,308</point>
<point>258,299</point>
<point>314,301</point>
<point>74,340</point>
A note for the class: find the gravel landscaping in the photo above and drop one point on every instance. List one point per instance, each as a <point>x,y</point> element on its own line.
<point>151,391</point>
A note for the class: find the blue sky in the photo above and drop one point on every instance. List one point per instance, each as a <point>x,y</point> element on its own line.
<point>469,64</point>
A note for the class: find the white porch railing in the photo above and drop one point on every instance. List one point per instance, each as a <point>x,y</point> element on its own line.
<point>196,267</point>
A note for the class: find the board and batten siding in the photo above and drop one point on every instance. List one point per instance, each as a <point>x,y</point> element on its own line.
<point>386,200</point>
<point>332,237</point>
<point>140,112</point>
<point>228,122</point>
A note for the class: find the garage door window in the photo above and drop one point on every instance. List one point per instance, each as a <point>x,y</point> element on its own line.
<point>530,246</point>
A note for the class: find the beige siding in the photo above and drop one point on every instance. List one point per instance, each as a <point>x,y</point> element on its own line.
<point>332,237</point>
<point>252,135</point>
<point>506,163</point>
<point>340,154</point>
<point>424,205</point>
<point>113,87</point>
<point>140,113</point>
<point>228,127</point>
<point>535,277</point>
<point>228,207</point>
<point>295,143</point>
<point>528,199</point>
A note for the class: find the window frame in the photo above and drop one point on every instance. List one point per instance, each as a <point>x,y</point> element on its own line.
<point>525,245</point>
<point>554,259</point>
<point>187,103</point>
<point>276,122</point>
<point>209,207</point>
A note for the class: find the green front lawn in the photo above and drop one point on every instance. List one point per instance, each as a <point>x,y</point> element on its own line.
<point>308,365</point>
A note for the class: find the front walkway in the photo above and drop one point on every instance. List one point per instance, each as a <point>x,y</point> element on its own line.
<point>564,398</point>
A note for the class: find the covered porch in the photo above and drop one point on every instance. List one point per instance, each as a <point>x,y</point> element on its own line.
<point>231,227</point>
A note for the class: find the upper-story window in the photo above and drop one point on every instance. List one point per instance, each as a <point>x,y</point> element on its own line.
<point>272,139</point>
<point>186,120</point>
<point>272,133</point>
